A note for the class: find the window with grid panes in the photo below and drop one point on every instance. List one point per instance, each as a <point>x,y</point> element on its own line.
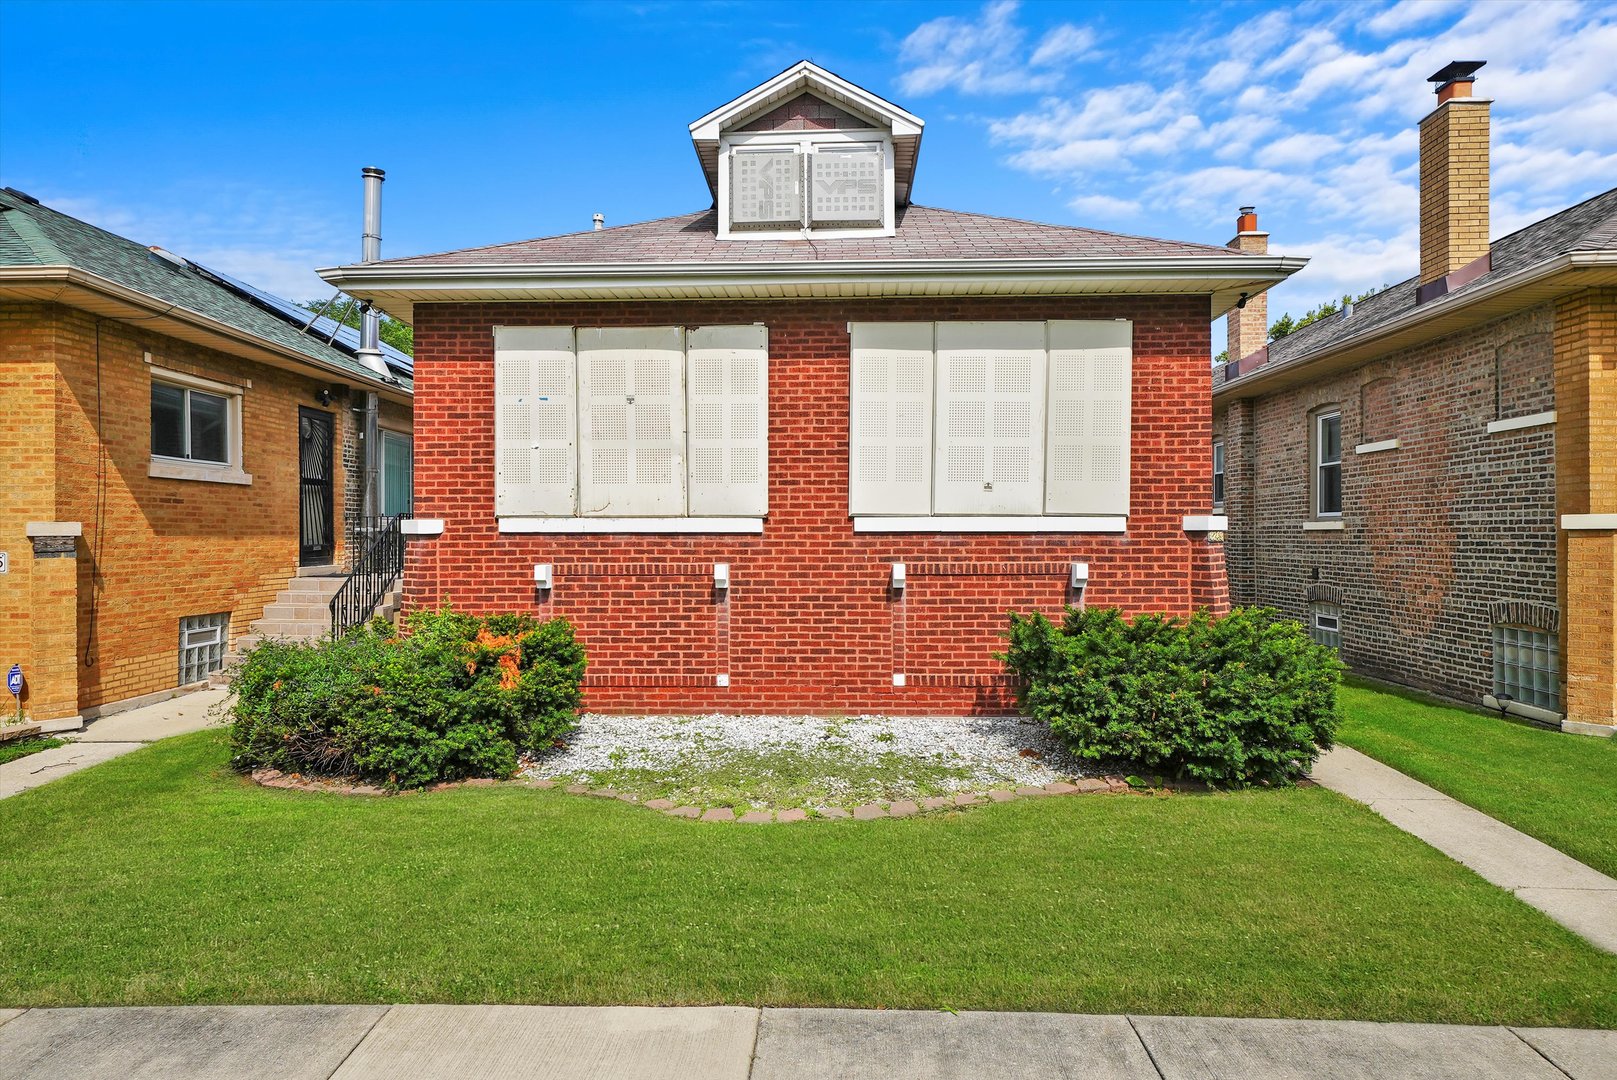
<point>203,639</point>
<point>1527,666</point>
<point>1325,624</point>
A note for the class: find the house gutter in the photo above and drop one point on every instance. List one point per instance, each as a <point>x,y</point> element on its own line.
<point>1538,273</point>
<point>571,277</point>
<point>73,277</point>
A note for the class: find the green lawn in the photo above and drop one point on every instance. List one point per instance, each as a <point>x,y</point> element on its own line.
<point>161,877</point>
<point>1557,787</point>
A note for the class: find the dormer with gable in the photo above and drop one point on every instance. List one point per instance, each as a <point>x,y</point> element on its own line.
<point>808,155</point>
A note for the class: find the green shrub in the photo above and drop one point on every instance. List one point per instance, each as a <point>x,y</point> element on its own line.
<point>449,697</point>
<point>1244,699</point>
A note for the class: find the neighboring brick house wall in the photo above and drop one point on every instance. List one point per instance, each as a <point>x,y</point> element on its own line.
<point>809,622</point>
<point>1436,532</point>
<point>153,549</point>
<point>1586,471</point>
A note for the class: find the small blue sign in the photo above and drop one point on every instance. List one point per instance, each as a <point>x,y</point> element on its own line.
<point>14,680</point>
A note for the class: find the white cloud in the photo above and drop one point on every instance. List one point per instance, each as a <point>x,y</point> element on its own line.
<point>1065,42</point>
<point>1311,113</point>
<point>987,55</point>
<point>1408,13</point>
<point>1104,206</point>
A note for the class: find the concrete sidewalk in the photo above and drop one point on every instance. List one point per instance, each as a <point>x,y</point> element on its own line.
<point>1579,898</point>
<point>110,737</point>
<point>536,1042</point>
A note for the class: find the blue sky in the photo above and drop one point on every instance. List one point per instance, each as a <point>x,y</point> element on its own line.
<point>234,133</point>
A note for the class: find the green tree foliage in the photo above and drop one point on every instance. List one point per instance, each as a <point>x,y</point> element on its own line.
<point>348,311</point>
<point>1287,325</point>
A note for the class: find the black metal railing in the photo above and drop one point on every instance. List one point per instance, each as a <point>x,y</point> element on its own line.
<point>376,553</point>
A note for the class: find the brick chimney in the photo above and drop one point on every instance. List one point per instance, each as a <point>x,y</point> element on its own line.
<point>1248,324</point>
<point>1453,176</point>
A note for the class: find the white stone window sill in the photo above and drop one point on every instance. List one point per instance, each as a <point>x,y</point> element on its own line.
<point>969,524</point>
<point>193,470</point>
<point>1596,522</point>
<point>1377,447</point>
<point>1332,525</point>
<point>1206,523</point>
<point>1518,708</point>
<point>421,526</point>
<point>595,526</point>
<point>1516,423</point>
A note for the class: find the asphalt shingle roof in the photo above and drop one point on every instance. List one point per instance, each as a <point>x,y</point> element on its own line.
<point>923,232</point>
<point>1589,226</point>
<point>32,234</point>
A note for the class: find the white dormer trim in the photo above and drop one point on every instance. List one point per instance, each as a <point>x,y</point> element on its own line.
<point>807,142</point>
<point>808,76</point>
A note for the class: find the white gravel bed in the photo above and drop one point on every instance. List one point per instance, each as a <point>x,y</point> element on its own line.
<point>990,748</point>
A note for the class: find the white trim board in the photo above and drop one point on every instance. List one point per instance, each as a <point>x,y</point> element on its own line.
<point>604,525</point>
<point>986,524</point>
<point>1516,423</point>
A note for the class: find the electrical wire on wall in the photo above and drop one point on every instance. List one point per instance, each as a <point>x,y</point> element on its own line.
<point>98,541</point>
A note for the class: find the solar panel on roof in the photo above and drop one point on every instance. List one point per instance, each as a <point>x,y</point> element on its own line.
<point>319,325</point>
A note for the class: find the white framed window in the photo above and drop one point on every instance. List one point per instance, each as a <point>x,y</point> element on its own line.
<point>203,639</point>
<point>631,428</point>
<point>196,429</point>
<point>795,184</point>
<point>1327,454</point>
<point>1527,666</point>
<point>1218,474</point>
<point>990,426</point>
<point>1325,624</point>
<point>398,473</point>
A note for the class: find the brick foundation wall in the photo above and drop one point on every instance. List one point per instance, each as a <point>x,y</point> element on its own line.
<point>809,623</point>
<point>153,549</point>
<point>1436,531</point>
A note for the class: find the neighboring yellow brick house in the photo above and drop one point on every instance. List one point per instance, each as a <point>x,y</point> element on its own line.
<point>175,447</point>
<point>1429,477</point>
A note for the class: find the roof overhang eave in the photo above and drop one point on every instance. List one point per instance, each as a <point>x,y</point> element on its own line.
<point>1530,286</point>
<point>76,287</point>
<point>1223,278</point>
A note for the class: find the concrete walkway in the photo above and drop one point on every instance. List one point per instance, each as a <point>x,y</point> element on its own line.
<point>1579,898</point>
<point>535,1042</point>
<point>110,737</point>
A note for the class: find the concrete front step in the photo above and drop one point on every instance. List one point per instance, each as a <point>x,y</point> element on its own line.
<point>290,628</point>
<point>297,609</point>
<point>312,587</point>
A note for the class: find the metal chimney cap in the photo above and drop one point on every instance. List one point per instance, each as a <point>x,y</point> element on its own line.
<point>1456,71</point>
<point>372,170</point>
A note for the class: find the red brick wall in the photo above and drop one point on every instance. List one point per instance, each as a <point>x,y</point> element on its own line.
<point>809,623</point>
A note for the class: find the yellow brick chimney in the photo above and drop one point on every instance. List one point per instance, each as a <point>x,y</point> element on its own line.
<point>1453,175</point>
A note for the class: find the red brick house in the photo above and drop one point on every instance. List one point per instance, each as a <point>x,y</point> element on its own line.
<point>802,450</point>
<point>1429,477</point>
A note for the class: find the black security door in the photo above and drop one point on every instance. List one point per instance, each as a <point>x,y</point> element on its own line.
<point>316,533</point>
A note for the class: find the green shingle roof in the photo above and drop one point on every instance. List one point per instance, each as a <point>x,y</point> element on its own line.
<point>32,234</point>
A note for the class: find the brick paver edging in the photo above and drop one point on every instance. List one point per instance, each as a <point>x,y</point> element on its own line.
<point>900,808</point>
